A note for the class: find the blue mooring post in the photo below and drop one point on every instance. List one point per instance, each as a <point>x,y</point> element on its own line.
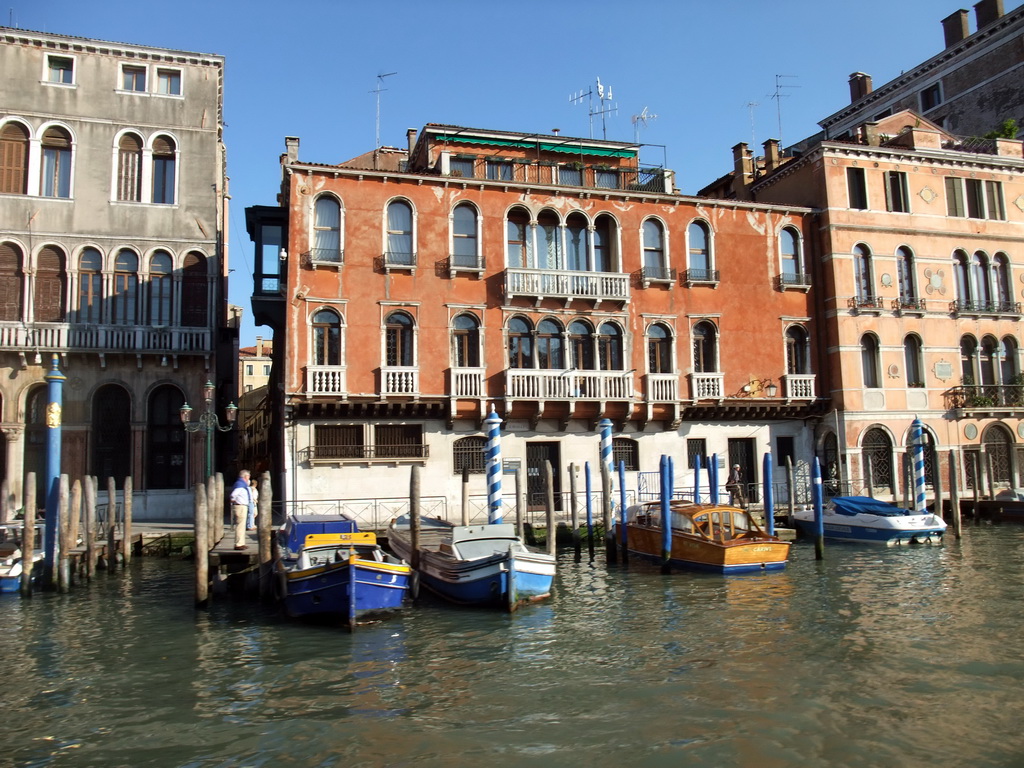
<point>819,522</point>
<point>666,515</point>
<point>590,509</point>
<point>55,386</point>
<point>607,499</point>
<point>769,495</point>
<point>696,479</point>
<point>493,422</point>
<point>622,510</point>
<point>713,477</point>
<point>917,441</point>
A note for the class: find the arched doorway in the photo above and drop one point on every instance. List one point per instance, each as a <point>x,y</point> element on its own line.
<point>997,443</point>
<point>111,433</point>
<point>35,440</point>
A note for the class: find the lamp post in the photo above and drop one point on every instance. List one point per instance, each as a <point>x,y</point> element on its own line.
<point>208,421</point>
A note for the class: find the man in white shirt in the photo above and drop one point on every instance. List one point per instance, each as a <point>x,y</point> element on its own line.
<point>240,499</point>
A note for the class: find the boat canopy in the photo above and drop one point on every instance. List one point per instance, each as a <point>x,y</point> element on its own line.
<point>863,505</point>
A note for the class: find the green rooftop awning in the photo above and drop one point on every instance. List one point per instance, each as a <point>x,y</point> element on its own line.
<point>566,148</point>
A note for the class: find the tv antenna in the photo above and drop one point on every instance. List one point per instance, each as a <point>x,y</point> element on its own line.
<point>639,121</point>
<point>378,90</point>
<point>778,96</point>
<point>753,134</point>
<point>577,98</point>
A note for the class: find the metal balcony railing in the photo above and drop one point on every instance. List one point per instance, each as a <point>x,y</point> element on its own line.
<point>977,396</point>
<point>909,303</point>
<point>663,274</point>
<point>701,276</point>
<point>969,306</point>
<point>864,302</point>
<point>794,280</point>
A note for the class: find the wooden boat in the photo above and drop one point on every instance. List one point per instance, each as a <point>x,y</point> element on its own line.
<point>860,518</point>
<point>485,564</point>
<point>327,567</point>
<point>706,537</point>
<point>11,565</point>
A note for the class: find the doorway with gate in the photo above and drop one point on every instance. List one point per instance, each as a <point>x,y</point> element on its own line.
<point>743,451</point>
<point>536,455</point>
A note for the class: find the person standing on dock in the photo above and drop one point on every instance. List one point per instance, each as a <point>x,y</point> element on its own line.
<point>734,485</point>
<point>241,498</point>
<point>254,497</point>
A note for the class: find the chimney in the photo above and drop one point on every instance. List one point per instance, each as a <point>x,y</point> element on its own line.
<point>988,11</point>
<point>291,144</point>
<point>860,86</point>
<point>954,27</point>
<point>259,346</point>
<point>771,155</point>
<point>743,165</point>
<point>410,137</point>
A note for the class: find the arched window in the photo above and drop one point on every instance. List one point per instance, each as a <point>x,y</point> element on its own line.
<point>160,288</point>
<point>862,276</point>
<point>581,345</point>
<point>654,250</point>
<point>35,438</point>
<point>400,242</point>
<point>10,282</point>
<point>165,454</point>
<point>797,351</point>
<point>50,285</point>
<point>913,361</point>
<point>14,159</point>
<point>90,286</point>
<point>869,361</point>
<point>129,168</point>
<point>704,352</point>
<point>980,281</point>
<point>998,444</point>
<point>549,241</point>
<point>659,349</point>
<point>699,252</point>
<point>465,251</point>
<point>520,343</point>
<point>550,346</point>
<point>398,340</point>
<point>792,261</point>
<point>164,170</point>
<point>609,347</point>
<point>194,294</point>
<point>577,242</point>
<point>604,244</point>
<point>962,277</point>
<point>877,452</point>
<point>626,451</point>
<point>1002,294</point>
<point>470,454</point>
<point>126,280</point>
<point>466,341</point>
<point>520,251</point>
<point>830,465</point>
<point>905,276</point>
<point>56,170</point>
<point>327,230</point>
<point>326,338</point>
<point>987,360</point>
<point>112,433</point>
<point>1008,361</point>
<point>968,360</point>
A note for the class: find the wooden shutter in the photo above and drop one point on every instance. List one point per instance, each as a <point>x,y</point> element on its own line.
<point>194,299</point>
<point>10,282</point>
<point>49,291</point>
<point>58,138</point>
<point>129,168</point>
<point>13,159</point>
<point>163,146</point>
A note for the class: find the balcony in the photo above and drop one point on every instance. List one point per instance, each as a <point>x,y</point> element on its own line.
<point>326,380</point>
<point>399,380</point>
<point>706,386</point>
<point>398,260</point>
<point>700,277</point>
<point>650,275</point>
<point>968,307</point>
<point>974,398</point>
<point>467,382</point>
<point>909,305</point>
<point>567,285</point>
<point>324,257</point>
<point>524,384</point>
<point>798,386</point>
<point>65,337</point>
<point>871,305</point>
<point>661,387</point>
<point>797,281</point>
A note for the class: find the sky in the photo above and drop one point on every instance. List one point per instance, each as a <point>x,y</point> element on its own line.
<point>714,72</point>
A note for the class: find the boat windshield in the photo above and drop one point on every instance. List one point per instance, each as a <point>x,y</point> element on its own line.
<point>472,549</point>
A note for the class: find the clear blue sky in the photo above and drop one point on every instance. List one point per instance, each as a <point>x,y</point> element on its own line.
<point>307,69</point>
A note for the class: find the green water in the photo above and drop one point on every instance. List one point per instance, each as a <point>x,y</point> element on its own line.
<point>875,657</point>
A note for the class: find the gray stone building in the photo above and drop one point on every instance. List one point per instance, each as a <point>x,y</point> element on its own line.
<point>113,230</point>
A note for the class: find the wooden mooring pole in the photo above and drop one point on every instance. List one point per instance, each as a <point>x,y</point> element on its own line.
<point>264,524</point>
<point>465,496</point>
<point>611,551</point>
<point>76,518</point>
<point>64,526</point>
<point>126,536</point>
<point>202,547</point>
<point>90,527</point>
<point>549,508</point>
<point>219,508</point>
<point>111,524</point>
<point>574,514</point>
<point>520,506</point>
<point>954,495</point>
<point>414,529</point>
<point>28,536</point>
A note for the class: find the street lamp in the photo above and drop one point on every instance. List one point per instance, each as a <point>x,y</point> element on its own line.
<point>208,421</point>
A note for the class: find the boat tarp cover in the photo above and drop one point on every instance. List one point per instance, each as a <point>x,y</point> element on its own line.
<point>857,505</point>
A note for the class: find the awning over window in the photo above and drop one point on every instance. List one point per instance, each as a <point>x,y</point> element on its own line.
<point>569,149</point>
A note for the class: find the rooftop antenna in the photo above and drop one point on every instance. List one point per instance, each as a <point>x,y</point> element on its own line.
<point>577,98</point>
<point>753,133</point>
<point>641,121</point>
<point>778,96</point>
<point>378,90</point>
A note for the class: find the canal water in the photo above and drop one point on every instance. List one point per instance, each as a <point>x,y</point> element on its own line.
<point>873,657</point>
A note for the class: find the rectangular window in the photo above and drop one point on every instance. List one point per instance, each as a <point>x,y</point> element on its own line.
<point>60,69</point>
<point>569,176</point>
<point>931,97</point>
<point>163,180</point>
<point>133,79</point>
<point>984,198</point>
<point>897,198</point>
<point>696,447</point>
<point>56,172</point>
<point>955,197</point>
<point>266,370</point>
<point>462,166</point>
<point>857,188</point>
<point>268,267</point>
<point>499,170</point>
<point>248,370</point>
<point>784,449</point>
<point>994,200</point>
<point>606,179</point>
<point>168,82</point>
<point>338,441</point>
<point>398,441</point>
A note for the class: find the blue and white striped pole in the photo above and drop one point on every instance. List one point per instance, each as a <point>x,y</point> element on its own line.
<point>819,514</point>
<point>917,442</point>
<point>769,495</point>
<point>666,515</point>
<point>713,477</point>
<point>605,426</point>
<point>622,505</point>
<point>493,422</point>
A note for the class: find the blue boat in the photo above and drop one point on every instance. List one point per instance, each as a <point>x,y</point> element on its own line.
<point>483,565</point>
<point>327,567</point>
<point>860,518</point>
<point>11,564</point>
